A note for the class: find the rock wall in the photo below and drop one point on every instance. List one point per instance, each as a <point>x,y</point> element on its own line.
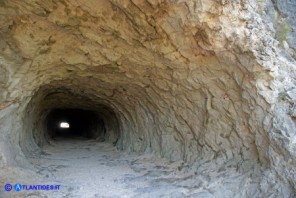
<point>281,14</point>
<point>201,81</point>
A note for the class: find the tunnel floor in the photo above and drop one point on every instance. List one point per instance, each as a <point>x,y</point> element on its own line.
<point>88,168</point>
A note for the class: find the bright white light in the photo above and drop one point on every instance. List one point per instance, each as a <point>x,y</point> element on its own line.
<point>64,125</point>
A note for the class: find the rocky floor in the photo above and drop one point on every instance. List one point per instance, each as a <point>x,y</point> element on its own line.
<point>86,168</point>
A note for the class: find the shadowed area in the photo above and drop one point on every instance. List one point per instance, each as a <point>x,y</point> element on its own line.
<point>82,123</point>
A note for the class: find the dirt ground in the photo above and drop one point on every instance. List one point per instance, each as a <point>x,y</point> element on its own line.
<point>87,168</point>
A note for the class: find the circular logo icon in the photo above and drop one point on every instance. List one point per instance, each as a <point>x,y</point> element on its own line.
<point>8,187</point>
<point>17,187</point>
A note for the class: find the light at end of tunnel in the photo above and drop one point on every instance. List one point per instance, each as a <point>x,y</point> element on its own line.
<point>64,125</point>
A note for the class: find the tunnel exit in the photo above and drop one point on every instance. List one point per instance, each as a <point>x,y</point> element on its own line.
<point>64,125</point>
<point>73,123</point>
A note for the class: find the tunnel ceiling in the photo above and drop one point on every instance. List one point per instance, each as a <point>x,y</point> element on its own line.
<point>186,80</point>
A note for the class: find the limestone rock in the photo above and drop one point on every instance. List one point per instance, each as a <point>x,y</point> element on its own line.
<point>201,81</point>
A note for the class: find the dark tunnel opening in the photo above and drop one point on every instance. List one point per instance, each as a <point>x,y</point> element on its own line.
<point>84,117</point>
<point>75,123</point>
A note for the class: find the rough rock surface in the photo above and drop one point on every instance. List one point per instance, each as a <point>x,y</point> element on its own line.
<point>200,81</point>
<point>280,17</point>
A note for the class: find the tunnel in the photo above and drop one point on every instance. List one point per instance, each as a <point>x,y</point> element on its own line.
<point>147,98</point>
<point>60,114</point>
<point>75,123</point>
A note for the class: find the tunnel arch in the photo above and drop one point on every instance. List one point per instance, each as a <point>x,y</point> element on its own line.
<point>197,81</point>
<point>51,104</point>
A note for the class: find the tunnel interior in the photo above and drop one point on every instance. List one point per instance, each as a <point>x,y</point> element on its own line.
<point>75,123</point>
<point>180,81</point>
<point>56,113</point>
